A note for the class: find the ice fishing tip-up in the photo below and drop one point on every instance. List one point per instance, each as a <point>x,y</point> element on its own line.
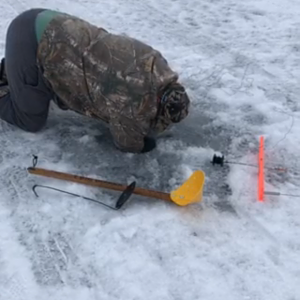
<point>261,192</point>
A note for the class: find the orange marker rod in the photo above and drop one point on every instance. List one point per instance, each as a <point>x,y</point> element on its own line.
<point>261,177</point>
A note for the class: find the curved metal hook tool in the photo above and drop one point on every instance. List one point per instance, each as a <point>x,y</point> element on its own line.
<point>119,204</point>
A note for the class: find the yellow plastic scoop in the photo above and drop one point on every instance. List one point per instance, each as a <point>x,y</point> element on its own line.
<point>191,191</point>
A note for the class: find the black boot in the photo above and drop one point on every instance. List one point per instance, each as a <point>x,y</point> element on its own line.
<point>3,78</point>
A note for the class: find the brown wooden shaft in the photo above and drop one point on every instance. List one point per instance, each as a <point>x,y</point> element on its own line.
<point>98,183</point>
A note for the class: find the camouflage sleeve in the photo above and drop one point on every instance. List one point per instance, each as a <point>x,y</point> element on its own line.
<point>132,122</point>
<point>128,134</point>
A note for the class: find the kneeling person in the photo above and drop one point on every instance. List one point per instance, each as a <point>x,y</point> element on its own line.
<point>84,68</point>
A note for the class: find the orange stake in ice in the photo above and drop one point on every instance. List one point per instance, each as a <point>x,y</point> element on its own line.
<point>261,179</point>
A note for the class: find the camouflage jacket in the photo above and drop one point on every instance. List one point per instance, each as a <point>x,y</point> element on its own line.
<point>105,76</point>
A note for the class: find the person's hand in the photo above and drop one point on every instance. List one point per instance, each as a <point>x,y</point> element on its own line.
<point>149,144</point>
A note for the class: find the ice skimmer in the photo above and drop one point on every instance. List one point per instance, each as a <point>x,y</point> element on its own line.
<point>191,191</point>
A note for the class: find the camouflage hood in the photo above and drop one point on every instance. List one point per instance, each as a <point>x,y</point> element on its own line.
<point>110,77</point>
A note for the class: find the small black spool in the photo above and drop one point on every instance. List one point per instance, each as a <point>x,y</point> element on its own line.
<point>218,160</point>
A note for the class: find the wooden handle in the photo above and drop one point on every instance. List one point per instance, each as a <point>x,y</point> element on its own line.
<point>98,183</point>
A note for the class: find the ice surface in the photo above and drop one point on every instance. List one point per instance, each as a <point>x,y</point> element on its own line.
<point>240,63</point>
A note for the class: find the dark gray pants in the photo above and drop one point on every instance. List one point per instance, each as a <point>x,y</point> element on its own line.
<point>27,103</point>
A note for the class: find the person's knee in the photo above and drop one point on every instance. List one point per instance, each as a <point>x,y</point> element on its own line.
<point>34,126</point>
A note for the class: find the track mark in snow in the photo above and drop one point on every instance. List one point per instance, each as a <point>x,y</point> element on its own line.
<point>16,278</point>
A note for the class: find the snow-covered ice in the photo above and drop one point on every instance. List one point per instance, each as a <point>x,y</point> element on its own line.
<point>240,63</point>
